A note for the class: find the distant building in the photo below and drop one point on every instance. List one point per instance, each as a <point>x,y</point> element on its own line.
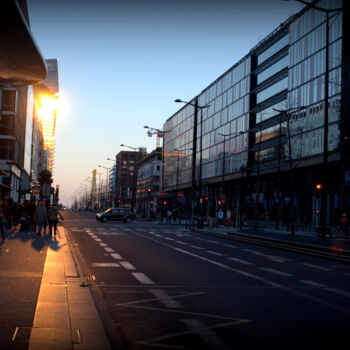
<point>148,183</point>
<point>126,173</point>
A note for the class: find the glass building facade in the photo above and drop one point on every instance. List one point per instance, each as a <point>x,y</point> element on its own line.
<point>271,107</point>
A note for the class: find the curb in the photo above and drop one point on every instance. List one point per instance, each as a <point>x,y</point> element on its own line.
<point>65,315</point>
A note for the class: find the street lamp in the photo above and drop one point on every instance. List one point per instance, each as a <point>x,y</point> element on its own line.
<point>160,134</point>
<point>133,148</point>
<point>325,130</point>
<point>194,154</point>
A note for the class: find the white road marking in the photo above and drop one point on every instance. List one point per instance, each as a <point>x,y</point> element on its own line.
<point>205,333</point>
<point>229,246</point>
<point>214,253</point>
<point>280,273</point>
<point>141,277</point>
<point>98,239</point>
<point>339,292</point>
<point>169,239</point>
<point>109,250</point>
<point>182,242</point>
<point>252,276</point>
<point>103,244</point>
<point>127,265</point>
<point>166,299</point>
<point>116,256</point>
<point>270,257</point>
<point>316,267</point>
<point>313,284</point>
<point>76,230</point>
<point>241,261</point>
<point>196,247</point>
<point>105,265</point>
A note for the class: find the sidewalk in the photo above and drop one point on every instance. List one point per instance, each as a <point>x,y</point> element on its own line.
<point>338,245</point>
<point>59,313</point>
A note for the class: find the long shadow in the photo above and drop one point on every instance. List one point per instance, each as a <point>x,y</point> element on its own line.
<point>38,242</point>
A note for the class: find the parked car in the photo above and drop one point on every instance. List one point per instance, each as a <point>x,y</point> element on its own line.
<point>120,214</point>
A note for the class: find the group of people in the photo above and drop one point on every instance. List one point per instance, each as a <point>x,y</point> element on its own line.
<point>30,217</point>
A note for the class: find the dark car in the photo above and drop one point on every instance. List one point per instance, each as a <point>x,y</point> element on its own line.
<point>120,214</point>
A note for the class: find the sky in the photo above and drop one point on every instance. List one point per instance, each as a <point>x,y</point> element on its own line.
<point>122,63</point>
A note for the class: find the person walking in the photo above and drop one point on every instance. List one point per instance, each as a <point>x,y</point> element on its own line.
<point>40,217</point>
<point>220,217</point>
<point>53,215</point>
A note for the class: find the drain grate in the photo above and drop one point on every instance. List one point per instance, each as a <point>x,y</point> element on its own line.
<point>90,277</point>
<point>22,334</point>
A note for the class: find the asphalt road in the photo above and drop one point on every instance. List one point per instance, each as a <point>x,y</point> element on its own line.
<point>163,286</point>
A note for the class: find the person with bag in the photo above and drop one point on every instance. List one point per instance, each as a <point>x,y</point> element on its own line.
<point>53,215</point>
<point>40,217</point>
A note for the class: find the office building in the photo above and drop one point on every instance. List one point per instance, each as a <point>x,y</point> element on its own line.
<point>260,144</point>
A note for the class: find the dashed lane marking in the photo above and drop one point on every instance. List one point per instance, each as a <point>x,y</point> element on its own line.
<point>214,253</point>
<point>316,267</point>
<point>109,250</point>
<point>105,265</point>
<point>141,277</point>
<point>127,265</point>
<point>116,256</point>
<point>267,256</point>
<point>102,244</point>
<point>276,272</point>
<point>244,262</point>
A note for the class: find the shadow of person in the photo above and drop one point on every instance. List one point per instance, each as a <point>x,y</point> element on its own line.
<point>38,243</point>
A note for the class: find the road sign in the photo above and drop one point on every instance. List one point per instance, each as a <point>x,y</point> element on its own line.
<point>35,190</point>
<point>162,194</point>
<point>182,200</point>
<point>180,194</point>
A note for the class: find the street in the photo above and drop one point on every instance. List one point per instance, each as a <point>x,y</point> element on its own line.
<point>163,286</point>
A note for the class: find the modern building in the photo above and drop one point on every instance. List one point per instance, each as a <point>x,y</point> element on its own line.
<point>256,134</point>
<point>21,66</point>
<point>148,183</point>
<point>125,179</point>
<point>48,104</point>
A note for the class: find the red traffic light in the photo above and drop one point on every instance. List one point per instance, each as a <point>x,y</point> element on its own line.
<point>164,202</point>
<point>317,211</point>
<point>318,187</point>
<point>151,202</point>
<point>149,189</point>
<point>206,198</point>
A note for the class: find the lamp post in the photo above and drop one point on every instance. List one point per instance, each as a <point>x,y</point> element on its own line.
<point>194,154</point>
<point>160,134</point>
<point>133,148</point>
<point>325,126</point>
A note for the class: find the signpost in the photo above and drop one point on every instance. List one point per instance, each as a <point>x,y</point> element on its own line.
<point>35,190</point>
<point>180,194</point>
<point>162,194</point>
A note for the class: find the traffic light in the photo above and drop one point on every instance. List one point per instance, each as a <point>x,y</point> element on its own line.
<point>206,198</point>
<point>318,187</point>
<point>151,202</point>
<point>164,202</point>
<point>149,189</point>
<point>317,211</point>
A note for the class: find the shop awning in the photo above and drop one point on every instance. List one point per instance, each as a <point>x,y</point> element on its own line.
<point>20,59</point>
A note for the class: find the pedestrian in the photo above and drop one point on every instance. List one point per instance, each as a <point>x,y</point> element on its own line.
<point>169,216</point>
<point>220,217</point>
<point>40,217</point>
<point>53,215</point>
<point>343,223</point>
<point>2,222</point>
<point>228,217</point>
